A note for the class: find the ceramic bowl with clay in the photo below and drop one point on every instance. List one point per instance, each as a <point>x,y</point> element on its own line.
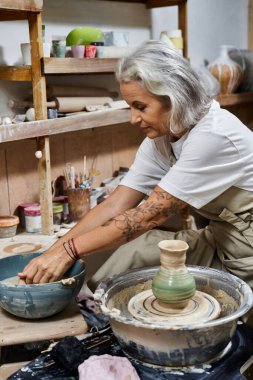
<point>37,301</point>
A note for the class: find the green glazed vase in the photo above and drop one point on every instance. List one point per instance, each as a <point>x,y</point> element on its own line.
<point>173,284</point>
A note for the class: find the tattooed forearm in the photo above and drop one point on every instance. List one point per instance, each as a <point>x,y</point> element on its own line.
<point>150,214</point>
<point>130,223</point>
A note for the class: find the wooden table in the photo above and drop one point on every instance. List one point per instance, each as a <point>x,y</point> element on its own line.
<point>15,330</point>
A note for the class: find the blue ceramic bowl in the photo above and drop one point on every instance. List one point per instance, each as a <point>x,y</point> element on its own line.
<point>37,300</point>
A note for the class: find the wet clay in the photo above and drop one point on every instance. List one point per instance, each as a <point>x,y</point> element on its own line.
<point>201,308</point>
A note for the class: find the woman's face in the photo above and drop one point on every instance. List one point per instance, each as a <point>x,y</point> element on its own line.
<point>147,111</point>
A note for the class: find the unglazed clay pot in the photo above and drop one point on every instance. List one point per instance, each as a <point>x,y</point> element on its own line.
<point>228,72</point>
<point>173,284</point>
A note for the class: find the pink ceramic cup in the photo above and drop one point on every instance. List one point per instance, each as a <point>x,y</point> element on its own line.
<point>78,51</point>
<point>90,51</point>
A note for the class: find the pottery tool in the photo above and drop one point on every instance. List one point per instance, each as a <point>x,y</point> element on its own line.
<point>69,173</point>
<point>84,167</point>
<point>76,104</point>
<point>66,103</point>
<point>72,177</point>
<point>69,105</point>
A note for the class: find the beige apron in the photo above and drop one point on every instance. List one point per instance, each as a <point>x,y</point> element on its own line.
<point>226,243</point>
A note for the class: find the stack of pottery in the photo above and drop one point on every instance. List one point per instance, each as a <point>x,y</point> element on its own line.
<point>228,72</point>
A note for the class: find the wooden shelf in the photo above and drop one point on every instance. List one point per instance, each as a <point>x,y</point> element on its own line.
<point>60,66</point>
<point>16,73</point>
<point>31,10</point>
<point>78,66</point>
<point>77,122</point>
<point>235,99</point>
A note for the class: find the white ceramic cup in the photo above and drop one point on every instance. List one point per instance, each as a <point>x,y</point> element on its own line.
<point>26,51</point>
<point>46,49</point>
<point>78,51</point>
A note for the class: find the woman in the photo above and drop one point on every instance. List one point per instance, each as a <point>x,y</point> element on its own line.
<point>194,153</point>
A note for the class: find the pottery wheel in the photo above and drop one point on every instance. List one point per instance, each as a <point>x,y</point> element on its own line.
<point>201,308</point>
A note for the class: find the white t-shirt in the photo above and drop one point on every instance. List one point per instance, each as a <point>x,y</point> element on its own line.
<point>215,155</point>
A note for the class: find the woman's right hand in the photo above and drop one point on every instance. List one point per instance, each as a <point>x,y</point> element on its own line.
<point>48,267</point>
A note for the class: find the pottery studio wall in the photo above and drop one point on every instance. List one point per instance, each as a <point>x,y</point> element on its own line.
<point>211,23</point>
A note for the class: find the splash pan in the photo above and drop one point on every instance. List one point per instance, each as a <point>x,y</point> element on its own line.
<point>174,345</point>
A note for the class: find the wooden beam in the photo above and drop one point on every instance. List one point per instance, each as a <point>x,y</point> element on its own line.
<point>39,101</point>
<point>78,66</point>
<point>163,3</point>
<point>16,73</point>
<point>44,170</point>
<point>183,25</point>
<point>7,15</point>
<point>129,1</point>
<point>22,5</point>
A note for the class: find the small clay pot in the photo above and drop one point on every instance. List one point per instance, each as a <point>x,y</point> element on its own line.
<point>173,284</point>
<point>8,226</point>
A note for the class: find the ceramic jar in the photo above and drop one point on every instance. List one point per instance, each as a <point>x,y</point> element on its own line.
<point>8,226</point>
<point>228,72</point>
<point>173,284</point>
<point>33,219</point>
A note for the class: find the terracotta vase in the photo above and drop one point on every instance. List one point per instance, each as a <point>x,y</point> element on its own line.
<point>228,72</point>
<point>173,284</point>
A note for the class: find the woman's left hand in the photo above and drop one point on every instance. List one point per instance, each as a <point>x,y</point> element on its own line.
<point>48,267</point>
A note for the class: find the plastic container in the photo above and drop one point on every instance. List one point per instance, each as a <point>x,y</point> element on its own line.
<point>21,208</point>
<point>63,200</point>
<point>8,226</point>
<point>57,213</point>
<point>32,219</point>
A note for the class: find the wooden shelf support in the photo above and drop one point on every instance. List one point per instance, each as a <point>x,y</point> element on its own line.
<point>39,101</point>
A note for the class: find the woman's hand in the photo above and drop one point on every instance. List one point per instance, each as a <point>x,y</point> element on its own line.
<point>48,267</point>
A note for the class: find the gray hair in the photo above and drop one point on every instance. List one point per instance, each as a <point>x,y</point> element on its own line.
<point>166,74</point>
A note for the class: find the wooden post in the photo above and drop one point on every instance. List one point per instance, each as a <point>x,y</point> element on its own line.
<point>182,24</point>
<point>250,25</point>
<point>39,98</point>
